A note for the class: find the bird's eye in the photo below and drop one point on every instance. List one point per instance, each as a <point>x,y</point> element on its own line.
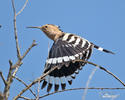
<point>46,26</point>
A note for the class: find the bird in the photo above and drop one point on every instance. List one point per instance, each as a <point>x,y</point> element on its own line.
<point>65,53</point>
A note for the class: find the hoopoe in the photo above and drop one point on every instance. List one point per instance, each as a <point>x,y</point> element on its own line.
<point>66,49</point>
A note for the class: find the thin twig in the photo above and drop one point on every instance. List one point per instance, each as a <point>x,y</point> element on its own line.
<point>38,89</point>
<point>34,82</point>
<point>33,44</point>
<point>48,47</point>
<point>10,62</point>
<point>10,70</point>
<point>18,63</point>
<point>4,81</point>
<point>15,31</point>
<point>8,82</point>
<point>24,84</point>
<point>25,98</point>
<point>92,88</point>
<point>88,82</point>
<point>12,67</point>
<point>102,68</point>
<point>22,8</point>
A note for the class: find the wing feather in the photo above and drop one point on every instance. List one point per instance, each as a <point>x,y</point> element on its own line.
<point>64,53</point>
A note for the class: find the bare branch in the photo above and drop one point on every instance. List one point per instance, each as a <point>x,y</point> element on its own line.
<point>48,47</point>
<point>8,82</point>
<point>88,82</point>
<point>80,89</point>
<point>1,96</point>
<point>24,84</point>
<point>15,31</point>
<point>34,82</point>
<point>38,89</point>
<point>18,63</point>
<point>12,67</point>
<point>33,44</point>
<point>102,68</point>
<point>14,10</point>
<point>1,74</point>
<point>25,98</point>
<point>16,66</point>
<point>10,71</point>
<point>22,8</point>
<point>10,62</point>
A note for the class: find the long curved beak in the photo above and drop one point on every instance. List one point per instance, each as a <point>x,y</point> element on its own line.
<point>34,27</point>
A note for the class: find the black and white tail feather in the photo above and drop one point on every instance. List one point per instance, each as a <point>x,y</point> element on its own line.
<point>64,52</point>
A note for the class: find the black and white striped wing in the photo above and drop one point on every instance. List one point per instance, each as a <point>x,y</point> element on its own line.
<point>63,54</point>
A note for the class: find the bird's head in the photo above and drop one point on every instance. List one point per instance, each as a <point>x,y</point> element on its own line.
<point>52,31</point>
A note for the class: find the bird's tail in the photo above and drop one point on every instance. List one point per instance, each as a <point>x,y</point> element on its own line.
<point>102,49</point>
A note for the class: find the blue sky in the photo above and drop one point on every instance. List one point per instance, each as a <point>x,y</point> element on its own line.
<point>100,21</point>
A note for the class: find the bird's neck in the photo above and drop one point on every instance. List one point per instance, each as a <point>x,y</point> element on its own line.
<point>54,36</point>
